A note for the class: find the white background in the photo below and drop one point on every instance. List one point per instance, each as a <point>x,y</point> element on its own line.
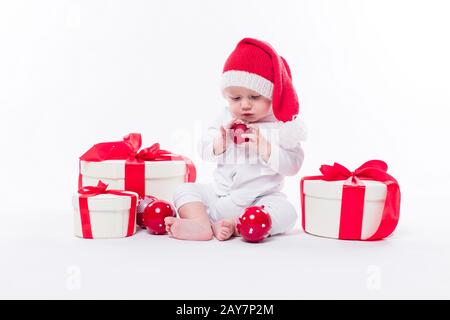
<point>373,82</point>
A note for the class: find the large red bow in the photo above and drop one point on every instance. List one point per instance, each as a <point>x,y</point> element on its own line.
<point>127,149</point>
<point>353,189</point>
<point>370,170</point>
<point>101,188</point>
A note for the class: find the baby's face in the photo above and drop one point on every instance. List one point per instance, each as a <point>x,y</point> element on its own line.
<point>246,104</point>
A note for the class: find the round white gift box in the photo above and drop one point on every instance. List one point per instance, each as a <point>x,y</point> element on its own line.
<point>109,215</point>
<point>322,207</point>
<point>161,177</point>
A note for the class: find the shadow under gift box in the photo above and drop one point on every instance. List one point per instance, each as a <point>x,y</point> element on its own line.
<point>322,207</point>
<point>108,216</point>
<point>161,177</point>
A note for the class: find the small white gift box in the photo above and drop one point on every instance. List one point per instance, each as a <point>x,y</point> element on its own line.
<point>105,215</point>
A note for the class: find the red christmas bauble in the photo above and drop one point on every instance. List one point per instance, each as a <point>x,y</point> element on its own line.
<point>151,213</point>
<point>254,224</point>
<point>142,204</point>
<point>237,129</point>
<point>154,214</point>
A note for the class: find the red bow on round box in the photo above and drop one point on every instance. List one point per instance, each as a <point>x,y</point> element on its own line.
<point>124,166</point>
<point>359,205</point>
<point>102,213</point>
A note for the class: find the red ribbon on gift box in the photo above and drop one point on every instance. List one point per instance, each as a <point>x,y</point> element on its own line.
<point>90,191</point>
<point>128,150</point>
<point>353,191</point>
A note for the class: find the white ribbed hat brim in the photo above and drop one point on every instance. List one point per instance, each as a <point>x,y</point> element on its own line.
<point>252,81</point>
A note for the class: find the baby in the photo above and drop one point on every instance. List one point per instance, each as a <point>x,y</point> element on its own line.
<point>257,84</point>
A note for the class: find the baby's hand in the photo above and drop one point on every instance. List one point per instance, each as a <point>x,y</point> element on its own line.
<point>258,142</point>
<point>221,142</point>
<point>232,122</point>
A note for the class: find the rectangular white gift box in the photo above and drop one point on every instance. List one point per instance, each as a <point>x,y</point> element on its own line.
<point>322,207</point>
<point>161,177</point>
<point>109,215</point>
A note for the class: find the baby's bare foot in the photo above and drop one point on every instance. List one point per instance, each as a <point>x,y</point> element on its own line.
<point>224,229</point>
<point>188,229</point>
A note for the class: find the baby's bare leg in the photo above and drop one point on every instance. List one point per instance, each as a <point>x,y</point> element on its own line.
<point>193,210</point>
<point>193,223</point>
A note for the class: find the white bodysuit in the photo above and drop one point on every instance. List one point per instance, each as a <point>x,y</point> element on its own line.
<point>242,178</point>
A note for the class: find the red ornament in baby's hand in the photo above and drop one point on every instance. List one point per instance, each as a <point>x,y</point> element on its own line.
<point>237,129</point>
<point>152,214</point>
<point>254,224</point>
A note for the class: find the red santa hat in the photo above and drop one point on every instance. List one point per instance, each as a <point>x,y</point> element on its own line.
<point>255,65</point>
